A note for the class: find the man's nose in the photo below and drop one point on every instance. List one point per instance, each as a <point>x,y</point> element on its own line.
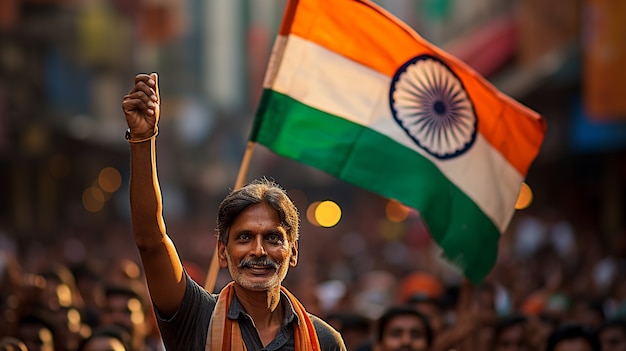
<point>258,249</point>
<point>406,339</point>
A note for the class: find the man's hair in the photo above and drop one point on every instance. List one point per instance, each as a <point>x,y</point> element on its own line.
<point>397,311</point>
<point>258,191</point>
<point>126,290</point>
<point>571,332</point>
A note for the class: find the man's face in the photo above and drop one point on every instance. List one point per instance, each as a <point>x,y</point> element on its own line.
<point>512,338</point>
<point>258,254</point>
<point>127,312</point>
<point>578,344</point>
<point>613,339</point>
<point>404,333</point>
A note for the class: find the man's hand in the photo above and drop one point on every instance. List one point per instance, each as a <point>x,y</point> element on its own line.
<point>141,106</point>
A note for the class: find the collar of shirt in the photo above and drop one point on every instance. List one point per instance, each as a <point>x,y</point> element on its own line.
<point>236,310</point>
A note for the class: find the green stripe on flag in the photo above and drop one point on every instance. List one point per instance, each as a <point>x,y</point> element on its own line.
<point>368,159</point>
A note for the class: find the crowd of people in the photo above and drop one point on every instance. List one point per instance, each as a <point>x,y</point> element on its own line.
<point>82,306</point>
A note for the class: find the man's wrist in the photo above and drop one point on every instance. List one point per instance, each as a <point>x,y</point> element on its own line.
<point>129,139</point>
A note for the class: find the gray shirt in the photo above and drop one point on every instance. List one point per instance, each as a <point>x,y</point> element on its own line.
<point>187,328</point>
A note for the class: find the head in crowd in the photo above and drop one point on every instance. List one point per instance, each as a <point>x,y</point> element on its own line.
<point>424,292</point>
<point>38,332</point>
<point>612,335</point>
<point>586,310</point>
<point>573,337</point>
<point>511,334</point>
<point>403,328</point>
<point>60,289</point>
<point>9,343</point>
<point>354,328</point>
<point>432,308</point>
<point>124,307</point>
<point>110,338</point>
<point>90,284</point>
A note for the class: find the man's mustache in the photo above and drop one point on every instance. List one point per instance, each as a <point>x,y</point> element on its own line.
<point>258,262</point>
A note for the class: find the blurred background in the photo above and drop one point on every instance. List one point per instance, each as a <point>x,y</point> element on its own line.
<point>66,64</point>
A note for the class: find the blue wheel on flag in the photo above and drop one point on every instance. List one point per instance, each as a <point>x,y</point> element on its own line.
<point>431,105</point>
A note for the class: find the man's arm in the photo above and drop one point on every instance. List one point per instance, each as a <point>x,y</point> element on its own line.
<point>162,265</point>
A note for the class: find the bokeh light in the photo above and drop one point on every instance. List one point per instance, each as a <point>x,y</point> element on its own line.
<point>93,199</point>
<point>310,213</point>
<point>525,197</point>
<point>396,212</point>
<point>328,213</point>
<point>109,179</point>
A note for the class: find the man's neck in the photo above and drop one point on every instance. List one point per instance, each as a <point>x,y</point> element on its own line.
<point>263,306</point>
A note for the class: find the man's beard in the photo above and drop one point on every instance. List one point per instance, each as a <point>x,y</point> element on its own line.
<point>243,279</point>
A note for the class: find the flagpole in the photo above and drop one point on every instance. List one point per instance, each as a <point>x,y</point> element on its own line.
<point>211,277</point>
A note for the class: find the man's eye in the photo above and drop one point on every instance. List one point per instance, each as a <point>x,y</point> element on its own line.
<point>244,237</point>
<point>274,238</point>
<point>416,334</point>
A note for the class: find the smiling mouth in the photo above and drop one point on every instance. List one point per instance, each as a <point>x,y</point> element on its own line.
<point>260,270</point>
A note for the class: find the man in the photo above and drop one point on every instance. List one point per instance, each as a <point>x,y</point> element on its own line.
<point>511,334</point>
<point>612,335</point>
<point>573,337</point>
<point>124,307</point>
<point>403,328</point>
<point>38,332</point>
<point>110,338</point>
<point>258,229</point>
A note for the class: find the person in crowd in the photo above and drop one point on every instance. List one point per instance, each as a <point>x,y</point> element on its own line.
<point>60,288</point>
<point>9,343</point>
<point>586,310</point>
<point>90,285</point>
<point>403,328</point>
<point>424,292</point>
<point>511,334</point>
<point>540,327</point>
<point>573,337</point>
<point>354,328</point>
<point>612,335</point>
<point>110,338</point>
<point>124,307</point>
<point>258,230</point>
<point>39,333</point>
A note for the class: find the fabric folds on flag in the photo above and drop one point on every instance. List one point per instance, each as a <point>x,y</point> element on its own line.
<point>355,92</point>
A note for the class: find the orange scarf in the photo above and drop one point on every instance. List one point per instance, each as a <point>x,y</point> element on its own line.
<point>224,334</point>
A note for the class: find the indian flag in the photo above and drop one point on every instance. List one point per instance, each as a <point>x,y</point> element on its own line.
<point>355,92</point>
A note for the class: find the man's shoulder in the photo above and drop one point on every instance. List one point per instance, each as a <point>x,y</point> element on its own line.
<point>329,338</point>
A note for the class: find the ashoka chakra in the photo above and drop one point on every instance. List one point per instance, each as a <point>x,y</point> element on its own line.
<point>429,102</point>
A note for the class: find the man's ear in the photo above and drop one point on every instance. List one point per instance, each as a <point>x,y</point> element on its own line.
<point>293,261</point>
<point>221,254</point>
